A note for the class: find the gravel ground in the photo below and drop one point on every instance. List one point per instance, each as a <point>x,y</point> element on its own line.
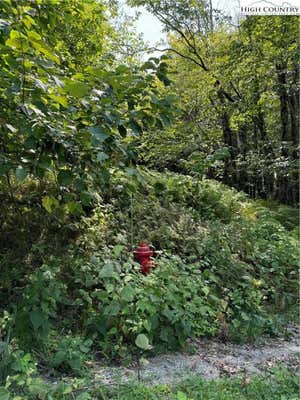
<point>210,359</point>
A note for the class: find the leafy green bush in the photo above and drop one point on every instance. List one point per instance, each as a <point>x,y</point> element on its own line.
<point>14,361</point>
<point>225,267</point>
<point>235,258</point>
<point>37,309</point>
<point>117,303</point>
<point>277,384</point>
<point>71,354</point>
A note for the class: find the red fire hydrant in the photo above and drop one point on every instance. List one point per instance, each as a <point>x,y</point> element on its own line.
<point>143,254</point>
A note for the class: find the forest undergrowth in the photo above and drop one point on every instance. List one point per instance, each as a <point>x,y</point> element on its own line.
<point>226,268</point>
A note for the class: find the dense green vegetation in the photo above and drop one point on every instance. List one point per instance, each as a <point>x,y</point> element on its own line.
<point>239,94</point>
<point>101,150</point>
<point>278,384</point>
<point>226,267</point>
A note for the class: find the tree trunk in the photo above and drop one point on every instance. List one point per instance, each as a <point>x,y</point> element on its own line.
<point>283,97</point>
<point>294,105</point>
<point>227,140</point>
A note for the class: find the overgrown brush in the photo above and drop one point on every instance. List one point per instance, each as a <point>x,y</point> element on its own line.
<point>226,267</point>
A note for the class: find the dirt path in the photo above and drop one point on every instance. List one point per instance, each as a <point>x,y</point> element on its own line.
<point>210,359</point>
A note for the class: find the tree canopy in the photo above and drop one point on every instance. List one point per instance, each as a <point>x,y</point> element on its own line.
<point>239,90</point>
<point>65,115</point>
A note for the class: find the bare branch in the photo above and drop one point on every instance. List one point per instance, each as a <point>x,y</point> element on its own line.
<point>193,49</point>
<point>178,53</point>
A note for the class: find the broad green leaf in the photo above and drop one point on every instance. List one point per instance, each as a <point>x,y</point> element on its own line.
<point>118,249</point>
<point>107,271</point>
<point>42,48</point>
<point>142,341</point>
<point>112,309</point>
<point>136,128</point>
<point>101,156</point>
<point>86,198</point>
<point>21,173</point>
<point>77,89</point>
<point>38,388</point>
<point>45,162</point>
<point>62,100</point>
<point>244,316</point>
<point>50,203</point>
<point>165,334</point>
<point>205,290</point>
<point>127,294</point>
<point>36,318</point>
<point>4,394</point>
<point>83,396</point>
<point>17,41</point>
<point>220,154</point>
<point>147,325</point>
<point>122,69</point>
<point>28,21</point>
<point>4,168</point>
<point>59,358</point>
<point>98,132</point>
<point>72,206</point>
<point>65,178</point>
<point>181,396</point>
<point>130,171</point>
<point>33,35</point>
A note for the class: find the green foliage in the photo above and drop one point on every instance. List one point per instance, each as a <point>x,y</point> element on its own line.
<point>14,361</point>
<point>225,267</point>
<point>227,271</point>
<point>239,99</point>
<point>287,216</point>
<point>29,387</point>
<point>142,341</point>
<point>66,126</point>
<point>37,309</point>
<point>71,354</point>
<point>75,120</point>
<point>278,384</point>
<point>123,307</point>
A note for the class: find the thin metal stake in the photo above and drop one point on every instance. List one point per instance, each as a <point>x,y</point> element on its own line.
<point>131,220</point>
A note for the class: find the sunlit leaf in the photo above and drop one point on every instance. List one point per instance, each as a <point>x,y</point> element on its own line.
<point>142,342</point>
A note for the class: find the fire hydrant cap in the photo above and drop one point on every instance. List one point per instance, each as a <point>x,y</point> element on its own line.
<point>143,249</point>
